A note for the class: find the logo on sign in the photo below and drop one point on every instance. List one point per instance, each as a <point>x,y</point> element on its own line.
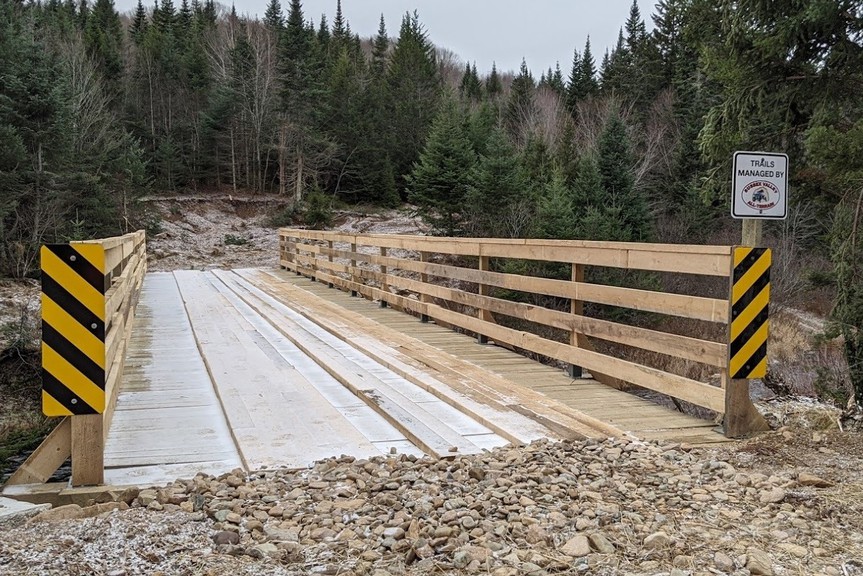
<point>760,195</point>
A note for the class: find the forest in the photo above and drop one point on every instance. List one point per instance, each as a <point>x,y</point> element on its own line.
<point>99,109</point>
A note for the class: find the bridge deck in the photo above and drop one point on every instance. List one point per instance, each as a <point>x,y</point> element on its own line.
<point>260,369</point>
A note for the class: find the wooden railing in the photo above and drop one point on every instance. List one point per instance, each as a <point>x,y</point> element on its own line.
<point>83,436</point>
<point>452,280</point>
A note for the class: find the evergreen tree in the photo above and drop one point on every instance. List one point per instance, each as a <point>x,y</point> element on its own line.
<point>299,93</point>
<point>555,218</point>
<point>380,47</point>
<point>104,40</point>
<point>556,82</point>
<point>520,106</point>
<point>439,182</point>
<point>496,201</point>
<point>414,90</point>
<point>616,164</point>
<point>572,96</point>
<point>139,23</point>
<point>493,84</point>
<point>471,87</point>
<point>273,16</point>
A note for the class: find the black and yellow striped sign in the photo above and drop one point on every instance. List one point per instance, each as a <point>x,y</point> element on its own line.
<point>73,329</point>
<point>750,296</point>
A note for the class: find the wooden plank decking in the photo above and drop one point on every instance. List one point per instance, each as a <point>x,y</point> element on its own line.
<point>263,368</point>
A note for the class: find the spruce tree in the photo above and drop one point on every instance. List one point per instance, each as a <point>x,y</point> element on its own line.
<point>139,23</point>
<point>274,19</point>
<point>497,191</point>
<point>555,218</point>
<point>616,165</point>
<point>572,87</point>
<point>380,48</point>
<point>520,106</point>
<point>414,90</point>
<point>493,84</point>
<point>439,182</point>
<point>556,81</point>
<point>104,40</point>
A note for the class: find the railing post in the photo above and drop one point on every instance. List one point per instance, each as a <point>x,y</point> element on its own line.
<point>353,267</point>
<point>384,286</point>
<point>749,298</point>
<point>576,307</point>
<point>88,450</point>
<point>330,258</point>
<point>424,278</point>
<point>483,290</point>
<point>297,256</point>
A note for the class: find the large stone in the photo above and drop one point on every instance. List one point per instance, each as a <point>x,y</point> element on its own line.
<point>226,537</point>
<point>772,496</point>
<point>657,540</point>
<point>758,562</point>
<point>576,546</point>
<point>723,562</point>
<point>68,512</point>
<point>807,479</point>
<point>600,543</point>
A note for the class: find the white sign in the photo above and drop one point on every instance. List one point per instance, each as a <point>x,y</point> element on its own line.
<point>760,185</point>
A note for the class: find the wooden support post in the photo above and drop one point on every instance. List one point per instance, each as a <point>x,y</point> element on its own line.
<point>384,286</point>
<point>297,259</point>
<point>424,278</point>
<point>742,419</point>
<point>753,232</point>
<point>88,450</point>
<point>330,257</point>
<point>576,307</point>
<point>483,289</point>
<point>353,267</point>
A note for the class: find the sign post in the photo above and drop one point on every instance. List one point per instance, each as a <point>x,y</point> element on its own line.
<point>760,191</point>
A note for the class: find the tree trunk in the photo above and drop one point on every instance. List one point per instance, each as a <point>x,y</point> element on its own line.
<point>283,137</point>
<point>233,163</point>
<point>298,195</point>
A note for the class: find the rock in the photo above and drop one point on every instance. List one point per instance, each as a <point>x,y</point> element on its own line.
<point>537,535</point>
<point>793,549</point>
<point>576,546</point>
<point>531,569</point>
<point>226,537</point>
<point>682,561</point>
<point>806,479</point>
<point>461,559</point>
<point>600,543</point>
<point>68,512</point>
<point>476,473</point>
<point>758,562</point>
<point>395,533</point>
<point>234,518</point>
<point>221,515</point>
<point>657,540</point>
<point>772,496</point>
<point>723,562</point>
<point>147,496</point>
<point>266,549</point>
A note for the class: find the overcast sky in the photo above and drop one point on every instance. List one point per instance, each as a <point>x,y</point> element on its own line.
<point>505,31</point>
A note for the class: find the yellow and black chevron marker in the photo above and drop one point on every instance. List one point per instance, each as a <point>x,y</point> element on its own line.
<point>750,296</point>
<point>73,329</point>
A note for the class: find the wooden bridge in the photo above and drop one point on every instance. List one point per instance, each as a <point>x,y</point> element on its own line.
<point>379,344</point>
